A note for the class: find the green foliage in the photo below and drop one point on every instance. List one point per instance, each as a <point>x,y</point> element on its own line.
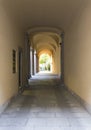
<point>44,62</point>
<point>44,58</point>
<point>48,67</point>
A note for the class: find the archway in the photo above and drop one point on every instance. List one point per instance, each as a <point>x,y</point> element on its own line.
<point>45,62</point>
<point>46,43</point>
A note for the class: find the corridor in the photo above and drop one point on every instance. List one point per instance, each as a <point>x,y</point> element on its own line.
<point>45,105</point>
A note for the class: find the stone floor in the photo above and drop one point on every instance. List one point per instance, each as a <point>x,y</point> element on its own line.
<point>45,106</point>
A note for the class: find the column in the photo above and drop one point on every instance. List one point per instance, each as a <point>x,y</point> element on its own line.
<point>27,57</point>
<point>32,61</point>
<point>37,63</point>
<point>60,49</point>
<point>51,64</point>
<point>62,59</point>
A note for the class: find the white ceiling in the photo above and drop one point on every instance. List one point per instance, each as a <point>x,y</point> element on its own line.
<point>51,13</point>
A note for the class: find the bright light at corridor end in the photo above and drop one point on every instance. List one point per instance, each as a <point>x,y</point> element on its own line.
<point>45,62</point>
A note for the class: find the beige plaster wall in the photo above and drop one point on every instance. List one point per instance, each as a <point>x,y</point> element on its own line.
<point>77,54</point>
<point>10,38</point>
<point>57,61</point>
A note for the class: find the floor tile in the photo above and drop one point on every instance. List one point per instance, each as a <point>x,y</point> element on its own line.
<point>45,107</point>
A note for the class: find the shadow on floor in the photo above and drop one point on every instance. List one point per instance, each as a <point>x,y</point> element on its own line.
<point>45,105</point>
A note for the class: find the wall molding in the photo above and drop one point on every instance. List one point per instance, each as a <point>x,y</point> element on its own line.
<point>5,105</point>
<point>81,101</point>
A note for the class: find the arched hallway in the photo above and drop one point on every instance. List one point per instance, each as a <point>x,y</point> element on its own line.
<point>60,29</point>
<point>46,105</point>
<point>44,41</point>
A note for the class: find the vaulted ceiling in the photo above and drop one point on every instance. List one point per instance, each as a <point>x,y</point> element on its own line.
<point>50,13</point>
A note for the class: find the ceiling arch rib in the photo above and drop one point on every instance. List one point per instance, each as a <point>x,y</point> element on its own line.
<point>44,51</point>
<point>45,45</point>
<point>47,33</point>
<point>44,38</point>
<point>48,47</point>
<point>38,30</point>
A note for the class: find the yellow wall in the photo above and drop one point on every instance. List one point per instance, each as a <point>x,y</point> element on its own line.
<point>57,61</point>
<point>77,54</point>
<point>10,38</point>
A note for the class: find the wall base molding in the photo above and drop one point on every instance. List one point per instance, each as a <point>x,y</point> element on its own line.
<point>82,102</point>
<point>5,105</point>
